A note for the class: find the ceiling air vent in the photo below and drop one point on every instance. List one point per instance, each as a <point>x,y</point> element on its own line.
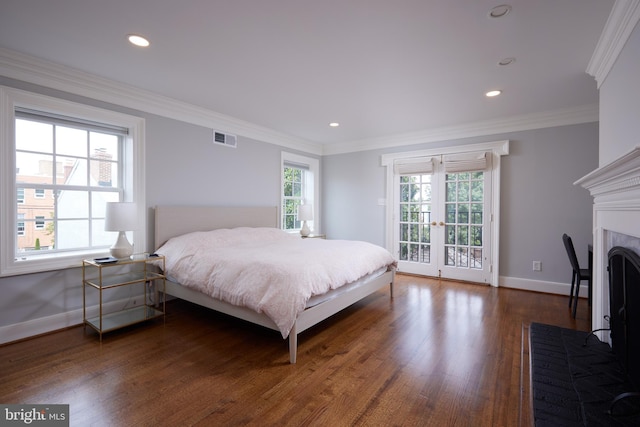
<point>225,139</point>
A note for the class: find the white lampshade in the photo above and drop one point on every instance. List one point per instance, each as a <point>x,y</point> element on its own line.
<point>305,213</point>
<point>121,217</point>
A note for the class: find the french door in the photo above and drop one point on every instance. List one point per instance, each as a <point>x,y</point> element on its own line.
<point>443,219</point>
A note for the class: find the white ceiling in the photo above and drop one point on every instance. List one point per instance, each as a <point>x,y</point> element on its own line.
<point>379,67</point>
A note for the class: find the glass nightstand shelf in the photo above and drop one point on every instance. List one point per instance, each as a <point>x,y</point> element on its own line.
<point>103,275</point>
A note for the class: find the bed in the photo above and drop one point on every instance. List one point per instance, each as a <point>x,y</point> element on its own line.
<point>173,222</point>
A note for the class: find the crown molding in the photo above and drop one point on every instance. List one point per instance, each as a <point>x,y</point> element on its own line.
<point>623,18</point>
<point>568,116</point>
<point>19,66</point>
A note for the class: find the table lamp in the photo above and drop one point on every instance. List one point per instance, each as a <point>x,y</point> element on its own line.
<point>305,213</point>
<point>121,217</point>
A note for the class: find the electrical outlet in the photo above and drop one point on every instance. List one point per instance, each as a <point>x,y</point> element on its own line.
<point>537,265</point>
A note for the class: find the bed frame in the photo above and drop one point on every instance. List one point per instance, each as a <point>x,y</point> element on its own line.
<point>171,221</point>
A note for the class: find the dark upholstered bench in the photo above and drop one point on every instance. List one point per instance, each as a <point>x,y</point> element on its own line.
<point>575,377</point>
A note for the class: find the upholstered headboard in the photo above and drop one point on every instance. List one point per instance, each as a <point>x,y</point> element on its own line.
<point>171,221</point>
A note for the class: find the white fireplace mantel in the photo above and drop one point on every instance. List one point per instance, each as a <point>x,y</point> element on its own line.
<point>615,188</point>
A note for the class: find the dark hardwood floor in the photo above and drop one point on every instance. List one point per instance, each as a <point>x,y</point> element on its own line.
<point>439,353</point>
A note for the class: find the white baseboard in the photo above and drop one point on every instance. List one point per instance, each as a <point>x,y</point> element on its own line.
<point>540,286</point>
<point>42,325</point>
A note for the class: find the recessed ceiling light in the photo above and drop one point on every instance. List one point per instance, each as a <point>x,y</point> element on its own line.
<point>500,11</point>
<point>506,61</point>
<point>138,40</point>
<point>493,93</point>
<point>334,124</point>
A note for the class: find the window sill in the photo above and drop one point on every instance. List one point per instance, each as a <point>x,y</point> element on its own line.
<point>38,264</point>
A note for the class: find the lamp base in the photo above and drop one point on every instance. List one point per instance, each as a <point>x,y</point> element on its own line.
<point>121,248</point>
<point>305,231</point>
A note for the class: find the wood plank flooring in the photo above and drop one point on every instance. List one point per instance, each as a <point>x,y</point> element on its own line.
<point>439,353</point>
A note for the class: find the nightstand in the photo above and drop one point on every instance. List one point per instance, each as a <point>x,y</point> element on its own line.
<point>315,236</point>
<point>107,274</point>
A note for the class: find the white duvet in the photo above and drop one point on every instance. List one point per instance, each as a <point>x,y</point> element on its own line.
<point>267,269</point>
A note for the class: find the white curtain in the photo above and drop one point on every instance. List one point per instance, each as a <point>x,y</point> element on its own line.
<point>465,162</point>
<point>414,165</point>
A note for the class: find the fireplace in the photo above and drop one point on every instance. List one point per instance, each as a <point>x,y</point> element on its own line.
<point>624,296</point>
<point>616,222</point>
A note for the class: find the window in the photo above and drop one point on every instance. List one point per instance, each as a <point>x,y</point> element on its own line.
<point>300,185</point>
<point>294,180</point>
<point>64,161</point>
<point>20,224</point>
<point>39,222</point>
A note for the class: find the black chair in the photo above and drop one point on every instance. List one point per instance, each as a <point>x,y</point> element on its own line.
<point>578,275</point>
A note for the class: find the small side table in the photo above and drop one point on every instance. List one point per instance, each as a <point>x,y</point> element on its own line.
<point>106,274</point>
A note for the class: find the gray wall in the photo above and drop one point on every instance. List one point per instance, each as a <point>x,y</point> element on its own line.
<point>538,199</point>
<point>185,168</point>
<point>351,186</point>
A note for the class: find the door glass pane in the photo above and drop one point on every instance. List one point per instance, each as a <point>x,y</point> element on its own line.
<point>426,213</point>
<point>413,253</point>
<point>450,256</point>
<point>404,212</point>
<point>451,212</point>
<point>463,257</point>
<point>451,189</point>
<point>463,235</point>
<point>477,191</point>
<point>426,254</point>
<point>463,213</point>
<point>404,232</point>
<point>476,258</point>
<point>450,235</point>
<point>476,213</point>
<point>426,234</point>
<point>463,191</point>
<point>404,251</point>
<point>414,233</point>
<point>476,236</point>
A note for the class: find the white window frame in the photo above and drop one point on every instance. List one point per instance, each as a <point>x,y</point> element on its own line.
<point>312,186</point>
<point>133,180</point>
<point>39,193</point>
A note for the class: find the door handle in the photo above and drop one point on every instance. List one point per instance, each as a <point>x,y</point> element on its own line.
<point>441,223</point>
<point>434,223</point>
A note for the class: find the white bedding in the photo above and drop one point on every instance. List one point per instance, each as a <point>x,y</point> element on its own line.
<point>267,269</point>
